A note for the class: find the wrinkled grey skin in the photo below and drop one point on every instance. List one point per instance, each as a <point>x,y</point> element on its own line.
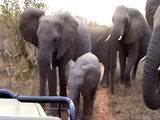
<point>131,25</point>
<point>101,49</point>
<point>151,76</point>
<point>83,78</point>
<point>151,7</point>
<point>59,38</point>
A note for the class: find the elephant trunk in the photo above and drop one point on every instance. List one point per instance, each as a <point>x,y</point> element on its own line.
<point>45,54</point>
<point>44,62</point>
<point>151,74</point>
<point>74,95</point>
<point>116,34</point>
<point>44,59</point>
<point>117,31</point>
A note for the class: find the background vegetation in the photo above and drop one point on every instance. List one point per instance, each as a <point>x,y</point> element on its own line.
<point>19,62</point>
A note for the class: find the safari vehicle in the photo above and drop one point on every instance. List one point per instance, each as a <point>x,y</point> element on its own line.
<point>16,107</point>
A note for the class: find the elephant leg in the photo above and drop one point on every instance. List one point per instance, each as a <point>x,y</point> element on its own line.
<point>52,82</point>
<point>42,86</point>
<point>42,82</point>
<point>122,60</point>
<point>92,99</point>
<point>105,80</point>
<point>112,81</point>
<point>86,107</point>
<point>77,102</point>
<point>132,58</point>
<point>133,76</point>
<point>62,80</point>
<point>113,59</point>
<point>52,85</point>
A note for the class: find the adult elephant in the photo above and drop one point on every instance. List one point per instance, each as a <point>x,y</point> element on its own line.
<point>151,76</point>
<point>130,36</point>
<point>99,34</point>
<point>151,7</point>
<point>59,38</point>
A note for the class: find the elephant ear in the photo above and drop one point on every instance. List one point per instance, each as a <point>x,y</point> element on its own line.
<point>29,23</point>
<point>69,34</point>
<point>91,78</point>
<point>151,7</point>
<point>137,24</point>
<point>157,17</point>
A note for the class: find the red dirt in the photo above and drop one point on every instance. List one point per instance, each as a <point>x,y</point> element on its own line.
<point>101,109</point>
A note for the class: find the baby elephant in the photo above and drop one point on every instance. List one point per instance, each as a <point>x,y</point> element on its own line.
<point>83,77</point>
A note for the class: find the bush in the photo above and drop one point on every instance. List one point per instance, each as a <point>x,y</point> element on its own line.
<point>9,17</point>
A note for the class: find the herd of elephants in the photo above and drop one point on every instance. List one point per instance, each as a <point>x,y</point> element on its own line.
<point>66,42</point>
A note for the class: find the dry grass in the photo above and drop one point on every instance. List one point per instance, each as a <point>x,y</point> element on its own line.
<point>126,104</point>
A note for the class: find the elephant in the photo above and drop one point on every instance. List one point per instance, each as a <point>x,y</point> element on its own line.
<point>151,74</point>
<point>98,36</point>
<point>83,78</point>
<point>59,38</point>
<point>150,8</point>
<point>130,36</point>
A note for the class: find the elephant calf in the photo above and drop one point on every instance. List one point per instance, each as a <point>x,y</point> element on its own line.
<point>83,77</point>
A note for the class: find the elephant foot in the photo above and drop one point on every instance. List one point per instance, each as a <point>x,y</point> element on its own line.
<point>133,77</point>
<point>122,82</point>
<point>127,84</point>
<point>85,117</point>
<point>104,84</point>
<point>91,112</point>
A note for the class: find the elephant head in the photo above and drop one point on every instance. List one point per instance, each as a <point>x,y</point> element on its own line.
<point>125,23</point>
<point>151,7</point>
<point>51,33</point>
<point>54,35</point>
<point>151,76</point>
<point>77,73</point>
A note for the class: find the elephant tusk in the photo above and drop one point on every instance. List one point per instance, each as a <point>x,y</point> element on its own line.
<point>143,59</point>
<point>51,66</point>
<point>35,63</point>
<point>120,37</point>
<point>108,38</point>
<point>158,68</point>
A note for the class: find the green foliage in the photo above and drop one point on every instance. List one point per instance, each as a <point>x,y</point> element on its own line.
<point>34,3</point>
<point>10,18</point>
<point>10,11</point>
